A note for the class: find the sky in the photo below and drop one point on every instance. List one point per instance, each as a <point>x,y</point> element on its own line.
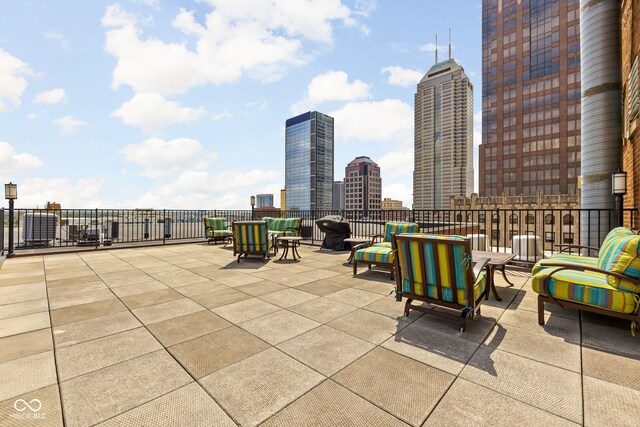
<point>182,104</point>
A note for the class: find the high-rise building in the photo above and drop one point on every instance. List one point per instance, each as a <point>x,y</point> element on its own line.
<point>263,200</point>
<point>443,139</point>
<point>362,185</point>
<point>530,97</point>
<point>309,161</point>
<point>338,195</point>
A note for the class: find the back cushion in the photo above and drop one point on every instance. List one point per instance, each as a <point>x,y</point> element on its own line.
<point>616,232</point>
<point>620,255</point>
<point>393,227</point>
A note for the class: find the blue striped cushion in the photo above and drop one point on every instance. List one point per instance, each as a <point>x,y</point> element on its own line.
<point>393,227</point>
<point>620,255</point>
<point>375,254</point>
<point>566,258</point>
<point>251,237</point>
<point>585,287</point>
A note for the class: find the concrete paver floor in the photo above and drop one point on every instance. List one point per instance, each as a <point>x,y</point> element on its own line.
<point>185,336</point>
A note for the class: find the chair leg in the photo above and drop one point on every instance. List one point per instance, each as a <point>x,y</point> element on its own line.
<point>407,306</point>
<point>540,311</point>
<point>355,267</point>
<point>239,258</point>
<point>462,322</point>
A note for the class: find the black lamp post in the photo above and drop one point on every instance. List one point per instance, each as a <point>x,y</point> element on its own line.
<point>619,189</point>
<point>253,204</point>
<point>11,194</point>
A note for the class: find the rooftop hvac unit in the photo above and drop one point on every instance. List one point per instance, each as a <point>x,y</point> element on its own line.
<point>39,228</point>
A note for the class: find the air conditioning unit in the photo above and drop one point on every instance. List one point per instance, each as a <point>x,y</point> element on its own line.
<point>39,228</point>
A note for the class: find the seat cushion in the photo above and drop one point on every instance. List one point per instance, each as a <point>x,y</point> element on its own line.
<point>394,227</point>
<point>447,293</point>
<point>375,255</point>
<point>585,287</point>
<point>383,244</point>
<point>222,233</point>
<point>566,258</point>
<point>620,255</point>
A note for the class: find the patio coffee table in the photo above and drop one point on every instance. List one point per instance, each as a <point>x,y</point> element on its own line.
<point>292,242</point>
<point>353,241</point>
<point>496,261</point>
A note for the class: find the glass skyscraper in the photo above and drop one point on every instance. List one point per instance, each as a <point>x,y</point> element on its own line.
<point>309,161</point>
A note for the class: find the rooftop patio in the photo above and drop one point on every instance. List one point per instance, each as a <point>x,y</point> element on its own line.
<point>184,335</point>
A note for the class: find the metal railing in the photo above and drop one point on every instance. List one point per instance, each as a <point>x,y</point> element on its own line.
<point>529,233</point>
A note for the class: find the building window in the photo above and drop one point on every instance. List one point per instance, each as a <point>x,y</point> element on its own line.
<point>513,219</point>
<point>549,236</point>
<point>495,219</point>
<point>530,219</point>
<point>567,219</point>
<point>482,217</point>
<point>567,238</point>
<point>495,235</point>
<point>549,219</point>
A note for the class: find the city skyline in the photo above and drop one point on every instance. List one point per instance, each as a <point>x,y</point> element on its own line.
<point>143,104</point>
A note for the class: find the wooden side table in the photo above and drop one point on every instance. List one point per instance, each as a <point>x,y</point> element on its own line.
<point>292,242</point>
<point>496,261</point>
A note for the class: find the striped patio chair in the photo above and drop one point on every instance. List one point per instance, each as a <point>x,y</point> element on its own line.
<point>391,228</point>
<point>216,229</point>
<point>439,270</point>
<point>250,238</point>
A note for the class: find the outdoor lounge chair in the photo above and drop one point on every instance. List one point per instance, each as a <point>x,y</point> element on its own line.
<point>216,229</point>
<point>281,227</point>
<point>608,284</point>
<point>380,253</point>
<point>250,238</point>
<point>439,270</point>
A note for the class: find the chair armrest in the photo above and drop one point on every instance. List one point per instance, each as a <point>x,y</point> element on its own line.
<point>559,266</point>
<point>565,247</point>
<point>479,265</point>
<point>361,246</point>
<point>376,236</point>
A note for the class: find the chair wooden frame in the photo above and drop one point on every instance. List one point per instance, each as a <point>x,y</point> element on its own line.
<point>470,309</point>
<point>264,240</point>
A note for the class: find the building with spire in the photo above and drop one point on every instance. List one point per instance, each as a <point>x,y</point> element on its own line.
<point>443,139</point>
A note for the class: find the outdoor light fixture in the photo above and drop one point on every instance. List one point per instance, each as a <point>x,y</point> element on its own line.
<point>11,194</point>
<point>11,191</point>
<point>619,183</point>
<point>619,189</point>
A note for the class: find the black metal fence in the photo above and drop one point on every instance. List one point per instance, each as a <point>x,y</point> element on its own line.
<point>529,233</point>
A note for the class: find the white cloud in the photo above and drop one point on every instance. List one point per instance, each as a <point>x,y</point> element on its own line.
<point>389,120</point>
<point>70,194</point>
<point>32,116</point>
<point>402,76</point>
<point>152,112</point>
<point>162,159</point>
<point>365,7</point>
<point>258,39</point>
<point>397,163</point>
<point>13,162</point>
<point>52,96</point>
<point>13,82</point>
<point>63,42</point>
<point>331,86</point>
<point>194,189</point>
<point>68,125</point>
<point>226,114</point>
<point>398,191</point>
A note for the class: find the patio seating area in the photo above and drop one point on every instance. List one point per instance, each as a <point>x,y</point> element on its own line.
<point>183,335</point>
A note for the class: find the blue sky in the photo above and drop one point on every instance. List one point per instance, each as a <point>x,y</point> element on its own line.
<point>181,104</point>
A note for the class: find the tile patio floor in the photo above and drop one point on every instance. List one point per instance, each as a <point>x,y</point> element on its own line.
<point>184,336</point>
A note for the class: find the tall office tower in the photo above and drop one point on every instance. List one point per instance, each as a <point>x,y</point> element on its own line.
<point>362,185</point>
<point>338,195</point>
<point>309,161</point>
<point>443,139</point>
<point>263,200</point>
<point>530,97</point>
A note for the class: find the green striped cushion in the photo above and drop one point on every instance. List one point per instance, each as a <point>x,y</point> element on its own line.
<point>620,255</point>
<point>566,258</point>
<point>375,254</point>
<point>222,233</point>
<point>251,237</point>
<point>585,287</point>
<point>212,224</point>
<point>616,232</point>
<point>414,271</point>
<point>393,227</point>
<point>282,224</point>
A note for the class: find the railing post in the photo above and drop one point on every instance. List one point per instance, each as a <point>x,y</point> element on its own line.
<point>164,218</point>
<point>2,231</point>
<point>98,227</point>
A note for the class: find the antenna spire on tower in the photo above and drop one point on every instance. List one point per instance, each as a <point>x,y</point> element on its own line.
<point>449,43</point>
<point>436,48</point>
